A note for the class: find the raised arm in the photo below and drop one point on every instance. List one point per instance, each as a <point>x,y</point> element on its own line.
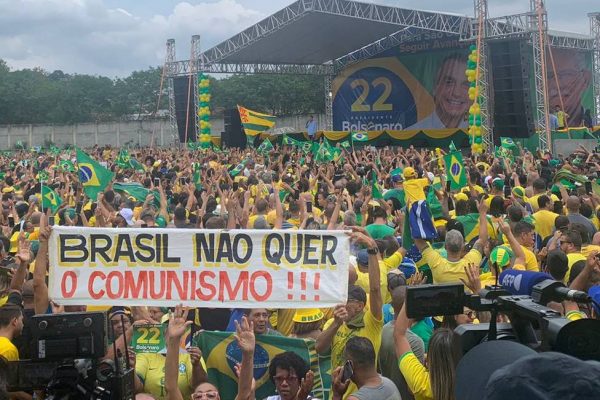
<point>177,326</point>
<point>514,245</point>
<point>40,289</point>
<point>246,340</point>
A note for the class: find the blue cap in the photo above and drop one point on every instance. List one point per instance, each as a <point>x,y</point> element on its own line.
<point>362,258</point>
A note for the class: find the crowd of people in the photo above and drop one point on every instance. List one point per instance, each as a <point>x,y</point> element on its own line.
<point>525,212</point>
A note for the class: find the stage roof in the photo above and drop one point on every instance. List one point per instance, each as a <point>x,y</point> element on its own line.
<point>319,31</point>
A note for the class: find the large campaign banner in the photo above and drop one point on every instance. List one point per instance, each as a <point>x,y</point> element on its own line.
<point>207,268</point>
<point>570,85</point>
<point>419,85</point>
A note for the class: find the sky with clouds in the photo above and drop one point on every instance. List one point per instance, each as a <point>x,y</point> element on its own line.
<point>115,37</point>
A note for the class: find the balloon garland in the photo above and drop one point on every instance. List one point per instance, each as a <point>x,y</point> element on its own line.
<point>475,110</point>
<point>204,137</point>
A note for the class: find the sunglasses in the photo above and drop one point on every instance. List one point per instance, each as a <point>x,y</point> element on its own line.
<point>280,379</point>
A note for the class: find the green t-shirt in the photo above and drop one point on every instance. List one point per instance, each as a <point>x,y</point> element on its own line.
<point>379,231</point>
<point>396,194</point>
<point>424,330</point>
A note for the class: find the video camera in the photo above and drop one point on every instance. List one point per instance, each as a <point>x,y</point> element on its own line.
<point>67,349</point>
<point>523,296</point>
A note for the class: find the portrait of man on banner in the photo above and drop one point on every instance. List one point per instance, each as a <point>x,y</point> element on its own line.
<point>450,96</point>
<point>567,85</point>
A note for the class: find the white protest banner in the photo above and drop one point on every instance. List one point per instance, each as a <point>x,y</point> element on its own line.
<point>199,268</point>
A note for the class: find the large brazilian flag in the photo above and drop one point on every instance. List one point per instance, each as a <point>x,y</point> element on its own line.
<point>221,353</point>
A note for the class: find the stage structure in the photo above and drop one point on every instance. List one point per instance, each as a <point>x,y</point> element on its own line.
<point>328,37</point>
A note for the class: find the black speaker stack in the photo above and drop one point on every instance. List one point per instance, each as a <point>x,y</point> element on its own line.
<point>513,102</point>
<point>233,135</point>
<point>181,87</point>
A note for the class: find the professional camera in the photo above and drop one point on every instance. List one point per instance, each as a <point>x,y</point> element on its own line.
<point>66,352</point>
<point>531,322</point>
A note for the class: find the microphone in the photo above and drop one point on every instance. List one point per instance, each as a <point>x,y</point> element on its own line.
<point>521,283</point>
<point>540,286</point>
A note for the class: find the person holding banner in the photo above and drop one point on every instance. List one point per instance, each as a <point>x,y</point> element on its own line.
<point>352,319</point>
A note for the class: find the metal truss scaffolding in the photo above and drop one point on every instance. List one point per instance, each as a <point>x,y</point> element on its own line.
<point>195,69</point>
<point>595,32</point>
<point>487,130</point>
<point>170,59</point>
<point>268,48</point>
<point>539,30</point>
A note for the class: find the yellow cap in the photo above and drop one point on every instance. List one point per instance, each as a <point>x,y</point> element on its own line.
<point>409,172</point>
<point>461,196</point>
<point>306,315</point>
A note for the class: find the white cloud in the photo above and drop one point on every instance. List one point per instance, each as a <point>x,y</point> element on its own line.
<point>91,36</point>
<point>85,36</point>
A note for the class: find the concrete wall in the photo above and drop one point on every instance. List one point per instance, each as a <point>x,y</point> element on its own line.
<point>132,133</point>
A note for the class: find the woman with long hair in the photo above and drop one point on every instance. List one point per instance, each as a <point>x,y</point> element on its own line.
<point>435,380</point>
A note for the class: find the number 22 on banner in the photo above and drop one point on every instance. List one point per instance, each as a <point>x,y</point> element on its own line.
<point>379,104</point>
<point>153,339</point>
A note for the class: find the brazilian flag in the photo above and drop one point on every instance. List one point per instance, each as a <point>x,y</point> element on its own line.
<point>197,175</point>
<point>67,166</point>
<point>221,354</point>
<point>93,177</point>
<point>360,136</point>
<point>455,170</point>
<point>136,191</point>
<point>50,199</point>
<point>375,188</point>
<point>238,168</point>
<point>265,147</point>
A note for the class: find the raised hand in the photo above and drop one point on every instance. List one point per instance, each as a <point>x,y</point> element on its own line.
<point>306,386</point>
<point>340,314</point>
<point>24,251</point>
<point>178,322</point>
<point>473,282</point>
<point>245,335</point>
<point>195,355</point>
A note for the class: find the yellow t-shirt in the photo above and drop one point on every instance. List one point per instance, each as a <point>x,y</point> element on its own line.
<point>573,258</point>
<point>531,263</point>
<point>544,222</point>
<point>533,202</point>
<point>416,376</point>
<point>150,367</point>
<point>587,250</point>
<point>385,266</point>
<point>413,190</point>
<point>444,271</point>
<point>283,320</point>
<point>371,330</point>
<point>8,350</point>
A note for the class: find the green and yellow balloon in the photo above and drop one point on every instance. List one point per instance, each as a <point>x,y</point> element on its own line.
<point>475,110</point>
<point>204,137</point>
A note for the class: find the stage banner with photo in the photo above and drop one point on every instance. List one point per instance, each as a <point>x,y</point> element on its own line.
<point>221,353</point>
<point>419,85</point>
<point>199,268</point>
<point>570,85</point>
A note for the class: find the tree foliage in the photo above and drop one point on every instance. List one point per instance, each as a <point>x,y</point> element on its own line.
<point>37,96</point>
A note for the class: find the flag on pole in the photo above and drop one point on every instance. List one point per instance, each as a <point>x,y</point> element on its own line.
<point>255,123</point>
<point>93,177</point>
<point>197,175</point>
<point>345,144</point>
<point>66,165</point>
<point>136,191</point>
<point>265,147</point>
<point>455,170</point>
<point>360,137</point>
<point>54,150</point>
<point>375,188</point>
<point>123,159</point>
<point>43,176</point>
<point>50,199</point>
<point>238,168</point>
